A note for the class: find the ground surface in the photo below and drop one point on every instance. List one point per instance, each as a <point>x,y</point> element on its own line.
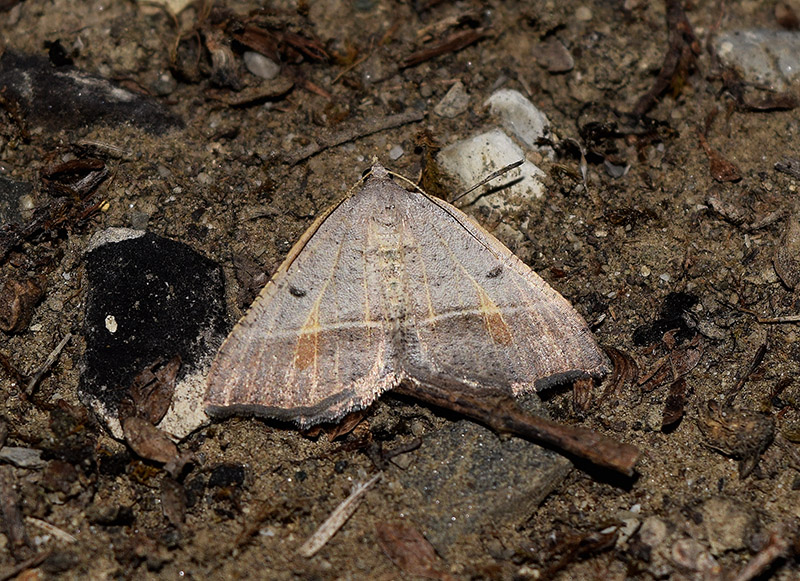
<point>615,247</point>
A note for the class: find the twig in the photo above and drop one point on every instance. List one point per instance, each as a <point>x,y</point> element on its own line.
<point>779,320</point>
<point>52,529</point>
<point>337,518</point>
<point>487,179</point>
<point>24,565</point>
<point>35,377</point>
<point>453,43</point>
<point>681,53</point>
<point>758,358</point>
<point>500,412</point>
<point>775,549</point>
<point>358,131</point>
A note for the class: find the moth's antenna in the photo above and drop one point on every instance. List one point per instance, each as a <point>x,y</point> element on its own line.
<point>487,179</point>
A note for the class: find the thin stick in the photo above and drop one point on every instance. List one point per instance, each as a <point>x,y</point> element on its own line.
<point>487,179</point>
<point>52,529</point>
<point>500,412</point>
<point>25,565</point>
<point>48,363</point>
<point>779,320</point>
<point>359,130</point>
<point>775,549</point>
<point>337,518</point>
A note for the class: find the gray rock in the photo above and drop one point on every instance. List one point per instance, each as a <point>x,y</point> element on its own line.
<point>454,103</point>
<point>467,477</point>
<point>764,57</point>
<point>728,524</point>
<point>552,55</point>
<point>22,457</point>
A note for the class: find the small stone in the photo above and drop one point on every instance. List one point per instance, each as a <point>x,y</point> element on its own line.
<point>261,66</point>
<point>519,117</point>
<point>728,524</point>
<point>583,14</point>
<point>454,103</point>
<point>471,160</point>
<point>396,153</point>
<point>691,555</point>
<point>111,324</point>
<point>165,84</point>
<point>653,532</point>
<point>22,457</point>
<point>763,57</point>
<point>552,55</point>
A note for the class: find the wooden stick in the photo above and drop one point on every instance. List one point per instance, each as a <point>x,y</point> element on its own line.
<point>500,412</point>
<point>357,131</point>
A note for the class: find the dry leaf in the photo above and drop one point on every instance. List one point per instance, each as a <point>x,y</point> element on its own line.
<point>409,550</point>
<point>148,441</point>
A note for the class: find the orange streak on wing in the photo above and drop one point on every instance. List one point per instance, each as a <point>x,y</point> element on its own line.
<point>493,319</point>
<point>305,352</point>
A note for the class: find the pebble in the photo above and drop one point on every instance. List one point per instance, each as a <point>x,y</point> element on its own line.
<point>396,153</point>
<point>763,57</point>
<point>22,457</point>
<point>454,103</point>
<point>691,555</point>
<point>472,159</point>
<point>552,55</point>
<point>653,532</point>
<point>165,84</point>
<point>519,117</point>
<point>583,14</point>
<point>261,66</point>
<point>728,523</point>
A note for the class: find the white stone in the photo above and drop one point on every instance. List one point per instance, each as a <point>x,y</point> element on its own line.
<point>519,117</point>
<point>763,57</point>
<point>261,66</point>
<point>471,160</point>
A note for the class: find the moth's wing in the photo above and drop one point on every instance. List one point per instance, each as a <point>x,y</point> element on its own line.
<point>313,345</point>
<point>480,313</point>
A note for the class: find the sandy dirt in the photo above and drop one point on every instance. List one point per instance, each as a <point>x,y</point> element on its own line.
<point>617,247</point>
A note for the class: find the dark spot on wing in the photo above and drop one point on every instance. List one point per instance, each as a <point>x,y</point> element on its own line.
<point>296,292</point>
<point>495,272</point>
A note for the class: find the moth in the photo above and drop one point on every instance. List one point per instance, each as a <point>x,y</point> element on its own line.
<point>388,286</point>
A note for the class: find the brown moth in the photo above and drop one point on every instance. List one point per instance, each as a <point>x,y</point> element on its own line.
<point>390,285</point>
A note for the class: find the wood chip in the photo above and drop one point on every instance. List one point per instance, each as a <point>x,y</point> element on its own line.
<point>337,519</point>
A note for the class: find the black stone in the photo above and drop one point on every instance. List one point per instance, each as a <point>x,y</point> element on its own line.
<point>165,300</point>
<point>66,97</point>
